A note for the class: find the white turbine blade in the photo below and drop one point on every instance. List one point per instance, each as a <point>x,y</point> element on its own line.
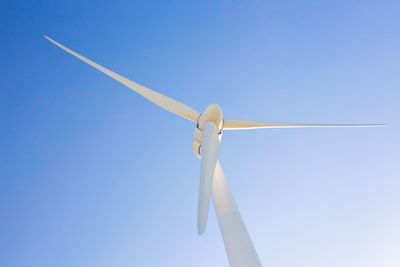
<point>161,100</point>
<point>243,124</point>
<point>238,245</point>
<point>209,151</point>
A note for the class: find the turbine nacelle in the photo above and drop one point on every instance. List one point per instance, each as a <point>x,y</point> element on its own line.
<point>213,113</point>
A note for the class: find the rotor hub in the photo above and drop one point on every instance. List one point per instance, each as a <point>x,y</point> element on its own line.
<point>213,113</point>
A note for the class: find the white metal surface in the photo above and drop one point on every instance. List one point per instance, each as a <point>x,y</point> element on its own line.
<point>238,245</point>
<point>209,151</point>
<point>212,113</point>
<point>243,125</point>
<point>163,101</point>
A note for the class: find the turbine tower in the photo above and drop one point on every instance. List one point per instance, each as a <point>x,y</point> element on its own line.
<point>206,144</point>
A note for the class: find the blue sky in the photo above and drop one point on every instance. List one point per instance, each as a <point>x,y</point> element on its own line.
<point>92,174</point>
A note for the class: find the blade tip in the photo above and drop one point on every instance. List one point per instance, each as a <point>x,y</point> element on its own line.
<point>201,227</point>
<point>378,125</point>
<point>48,38</point>
<point>200,231</point>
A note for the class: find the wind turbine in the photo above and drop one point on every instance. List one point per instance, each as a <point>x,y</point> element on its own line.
<point>206,144</point>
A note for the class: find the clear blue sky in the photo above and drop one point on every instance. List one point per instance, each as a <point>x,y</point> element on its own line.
<point>93,175</point>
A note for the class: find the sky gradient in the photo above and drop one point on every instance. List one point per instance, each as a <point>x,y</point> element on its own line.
<point>94,175</point>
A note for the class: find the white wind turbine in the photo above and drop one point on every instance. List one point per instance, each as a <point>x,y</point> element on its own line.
<point>207,139</point>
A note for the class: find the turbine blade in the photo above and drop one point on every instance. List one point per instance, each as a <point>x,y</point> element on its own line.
<point>163,101</point>
<point>209,151</point>
<point>243,125</point>
<point>237,241</point>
